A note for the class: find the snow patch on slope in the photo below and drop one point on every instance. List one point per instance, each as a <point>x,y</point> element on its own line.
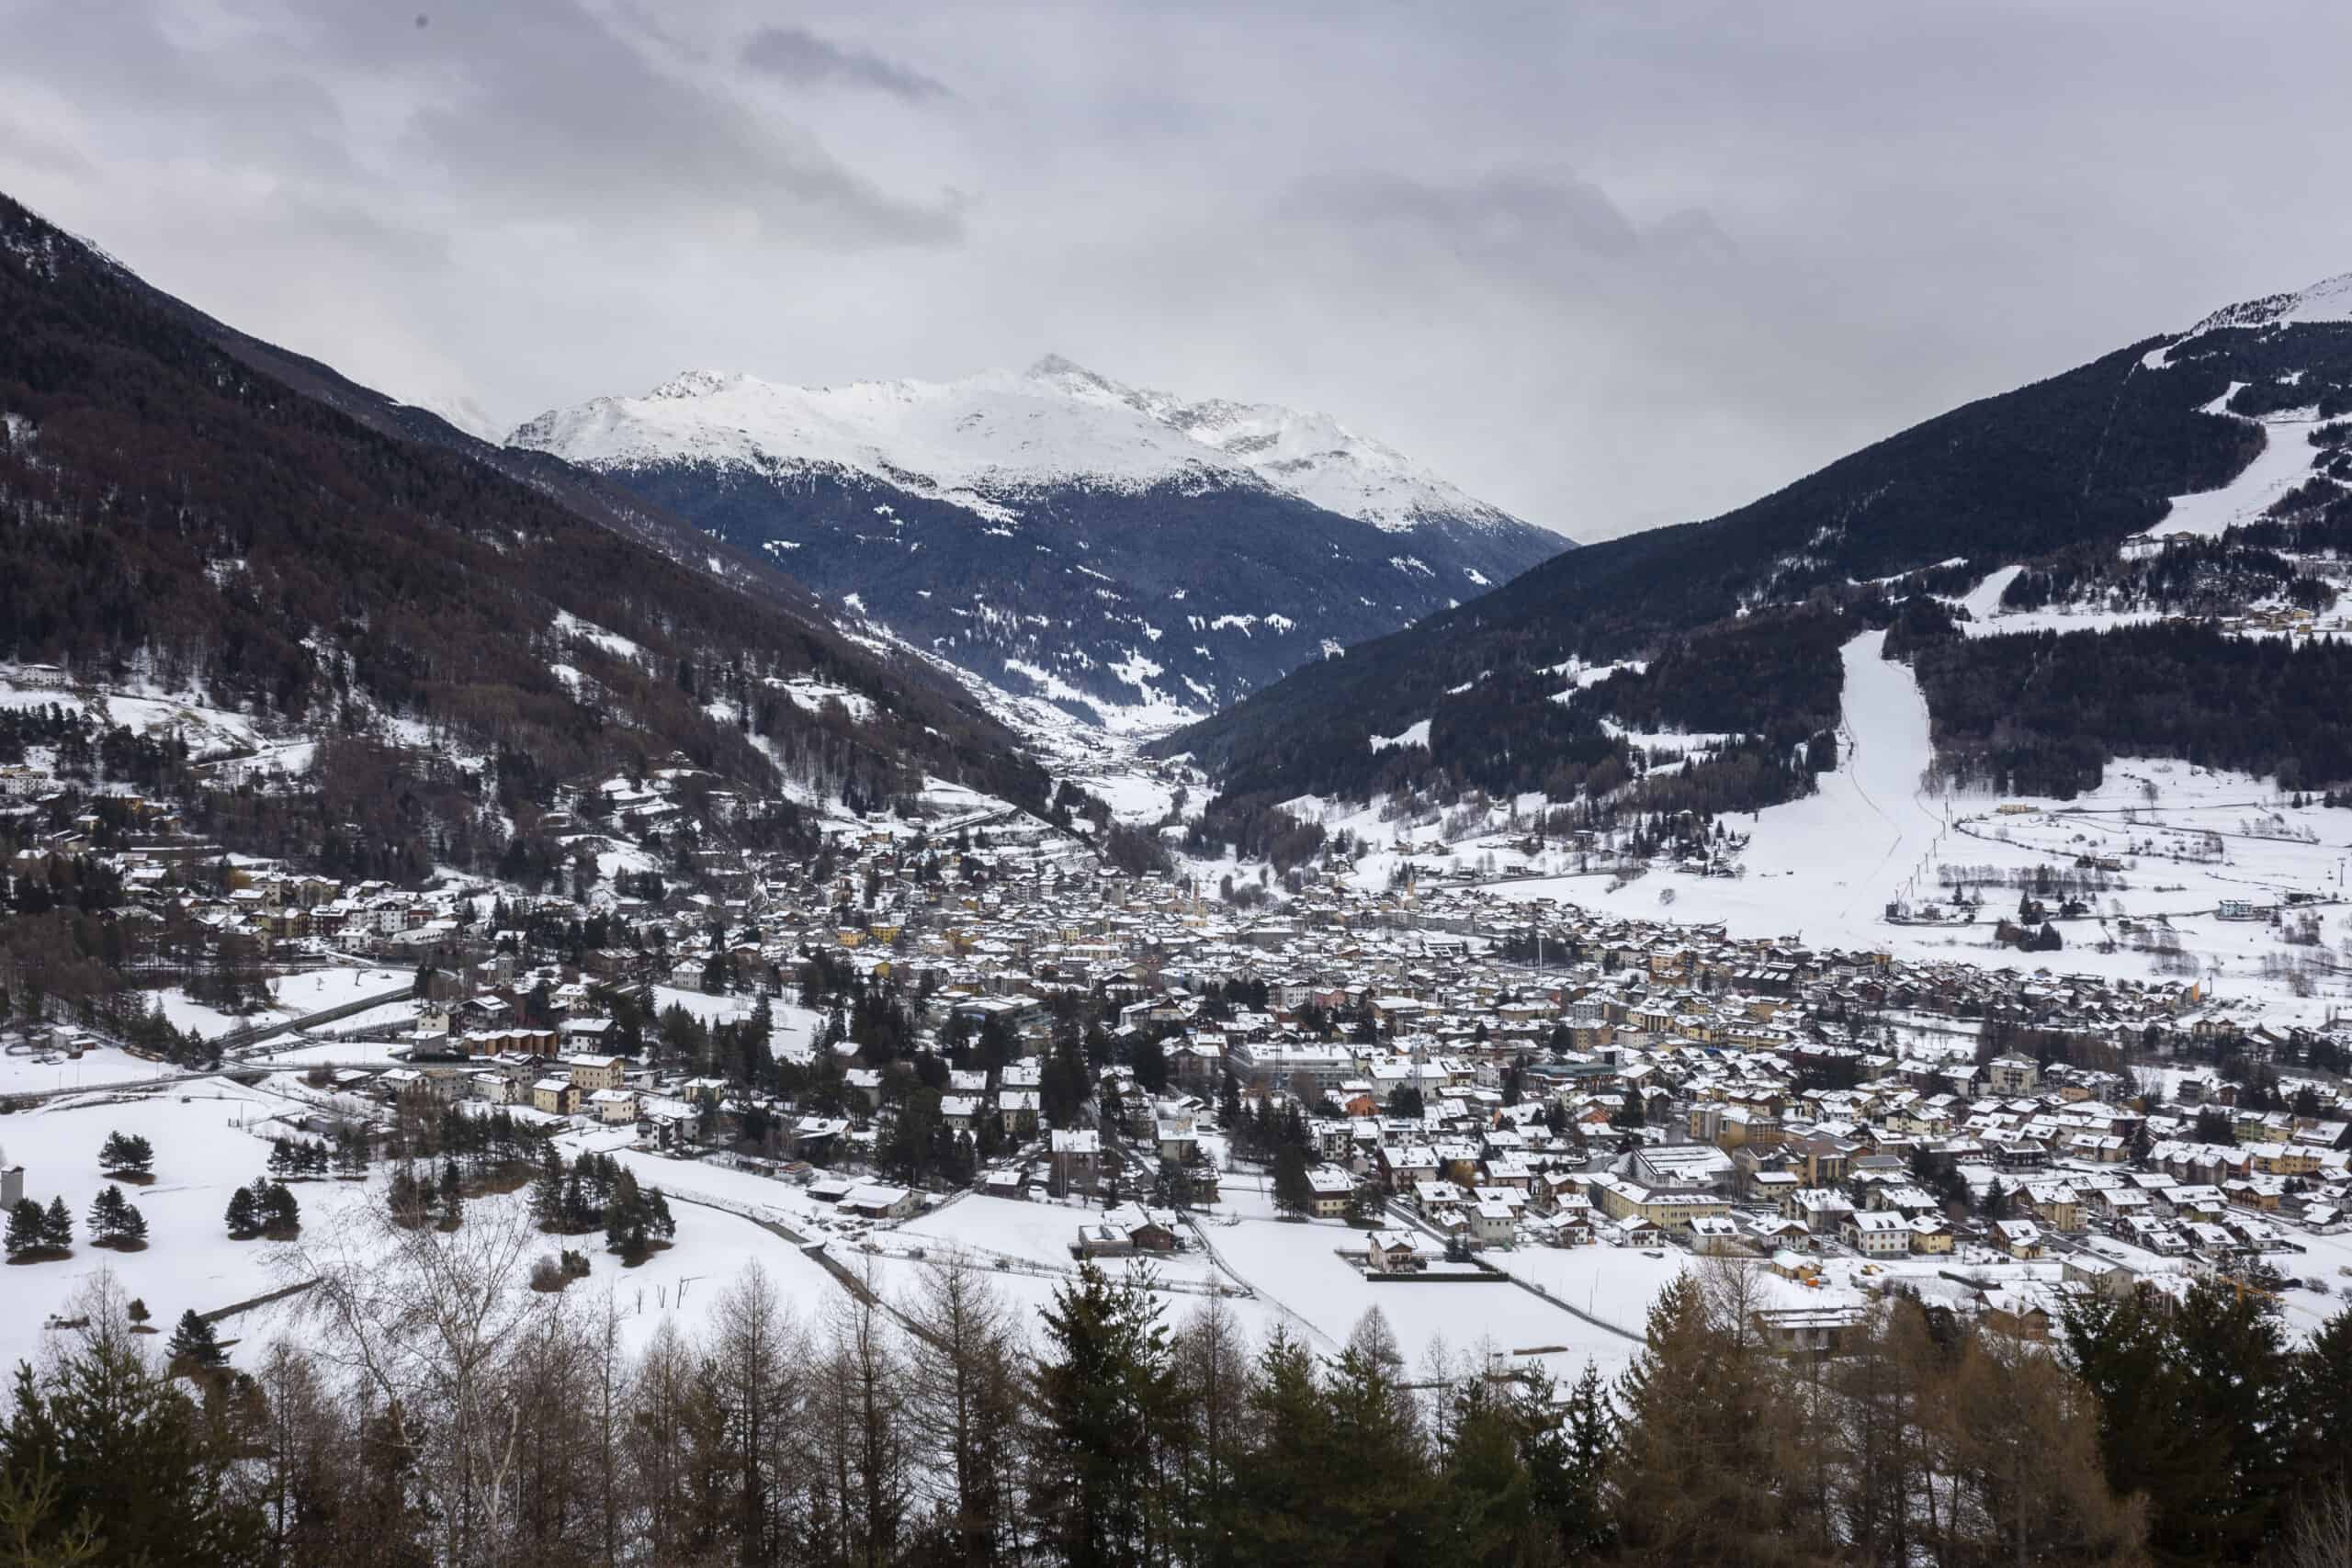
<point>1417,733</point>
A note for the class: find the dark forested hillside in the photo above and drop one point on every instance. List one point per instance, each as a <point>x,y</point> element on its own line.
<point>174,514</point>
<point>1771,681</point>
<point>2085,457</point>
<point>2042,714</point>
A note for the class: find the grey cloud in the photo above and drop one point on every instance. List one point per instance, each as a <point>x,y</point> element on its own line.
<point>799,57</point>
<point>1604,266</point>
<point>1691,235</point>
<point>35,149</point>
<point>557,114</point>
<point>360,233</point>
<point>1528,217</point>
<point>238,106</point>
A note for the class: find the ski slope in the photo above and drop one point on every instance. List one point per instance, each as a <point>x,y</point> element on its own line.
<point>1823,867</point>
<point>2284,462</point>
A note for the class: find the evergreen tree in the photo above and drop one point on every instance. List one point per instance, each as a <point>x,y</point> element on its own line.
<point>127,1156</point>
<point>1489,1510</point>
<point>243,1220</point>
<point>57,1226</point>
<point>280,1217</point>
<point>114,1221</point>
<point>1386,1498</point>
<point>2321,1400</point>
<point>128,1452</point>
<point>1103,1397</point>
<point>1567,1460</point>
<point>2193,1402</point>
<point>546,1189</point>
<point>625,1220</point>
<point>1278,1488</point>
<point>194,1343</point>
<point>1293,1193</point>
<point>24,1228</point>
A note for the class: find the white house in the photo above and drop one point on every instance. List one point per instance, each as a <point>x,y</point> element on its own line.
<point>1878,1233</point>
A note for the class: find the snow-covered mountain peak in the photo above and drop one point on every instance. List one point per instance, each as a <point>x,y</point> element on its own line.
<point>984,440</point>
<point>1311,455</point>
<point>1054,370</point>
<point>695,384</point>
<point>2329,299</point>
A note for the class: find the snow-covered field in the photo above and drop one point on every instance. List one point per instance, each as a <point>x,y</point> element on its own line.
<point>1141,797</point>
<point>298,995</point>
<point>212,1137</point>
<point>1296,1270</point>
<point>315,990</point>
<point>27,1074</point>
<point>199,1017</point>
<point>793,1029</point>
<point>209,1138</point>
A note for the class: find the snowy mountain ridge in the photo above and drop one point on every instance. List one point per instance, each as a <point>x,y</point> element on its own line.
<point>2329,299</point>
<point>986,442</point>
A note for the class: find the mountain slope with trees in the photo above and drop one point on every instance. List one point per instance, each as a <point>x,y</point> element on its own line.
<point>190,510</point>
<point>2077,463</point>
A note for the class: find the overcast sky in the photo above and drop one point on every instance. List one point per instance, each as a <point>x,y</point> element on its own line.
<point>1607,267</point>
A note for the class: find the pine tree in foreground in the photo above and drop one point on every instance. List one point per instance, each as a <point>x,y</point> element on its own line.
<point>122,1459</point>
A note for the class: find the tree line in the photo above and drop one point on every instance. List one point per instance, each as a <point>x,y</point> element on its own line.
<point>2042,712</point>
<point>428,1411</point>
